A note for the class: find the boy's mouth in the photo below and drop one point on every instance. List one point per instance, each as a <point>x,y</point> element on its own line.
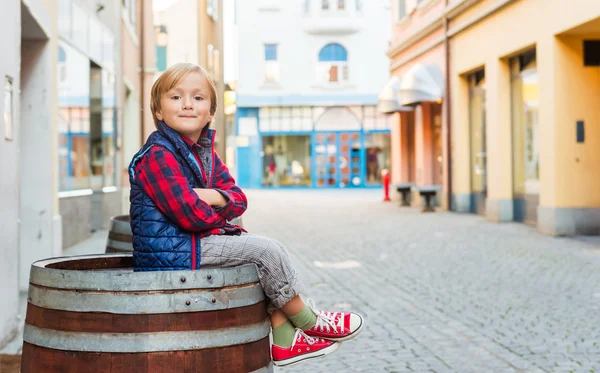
<point>188,116</point>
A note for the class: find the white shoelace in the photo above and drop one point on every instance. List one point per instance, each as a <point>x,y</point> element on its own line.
<point>308,339</point>
<point>326,320</point>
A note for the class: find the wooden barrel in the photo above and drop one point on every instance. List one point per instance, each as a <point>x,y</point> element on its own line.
<point>93,314</point>
<point>119,235</point>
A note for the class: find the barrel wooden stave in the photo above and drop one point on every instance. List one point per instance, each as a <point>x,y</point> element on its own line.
<point>241,358</point>
<point>119,236</point>
<point>218,339</point>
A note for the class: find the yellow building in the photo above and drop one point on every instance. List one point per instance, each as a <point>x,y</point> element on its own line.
<point>524,83</point>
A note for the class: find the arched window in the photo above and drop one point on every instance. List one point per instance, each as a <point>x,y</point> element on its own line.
<point>333,64</point>
<point>333,52</point>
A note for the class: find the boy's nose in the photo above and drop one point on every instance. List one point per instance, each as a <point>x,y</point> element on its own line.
<point>186,103</point>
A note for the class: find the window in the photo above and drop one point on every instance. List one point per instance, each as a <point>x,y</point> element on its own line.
<point>333,64</point>
<point>271,63</point>
<point>591,52</point>
<point>525,120</point>
<point>212,9</point>
<point>131,8</point>
<point>62,65</point>
<point>358,5</point>
<point>478,137</point>
<point>401,9</point>
<point>325,4</point>
<point>282,119</point>
<point>341,4</point>
<point>210,63</point>
<point>64,18</point>
<point>8,108</point>
<point>306,6</point>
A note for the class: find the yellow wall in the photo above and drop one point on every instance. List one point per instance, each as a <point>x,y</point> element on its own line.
<point>577,97</point>
<point>568,92</point>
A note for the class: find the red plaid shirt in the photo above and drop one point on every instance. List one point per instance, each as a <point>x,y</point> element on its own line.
<point>160,175</point>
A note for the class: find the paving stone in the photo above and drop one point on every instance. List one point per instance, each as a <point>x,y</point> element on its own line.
<point>440,292</point>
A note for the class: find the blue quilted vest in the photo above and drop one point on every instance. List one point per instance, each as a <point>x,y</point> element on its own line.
<point>158,243</point>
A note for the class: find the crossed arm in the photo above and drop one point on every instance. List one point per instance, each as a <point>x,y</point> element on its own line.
<point>196,210</point>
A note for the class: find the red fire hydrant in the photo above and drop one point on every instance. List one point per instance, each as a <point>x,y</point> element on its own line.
<point>385,178</point>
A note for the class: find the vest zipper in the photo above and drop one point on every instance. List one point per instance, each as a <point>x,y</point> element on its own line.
<point>194,259</point>
<point>212,152</point>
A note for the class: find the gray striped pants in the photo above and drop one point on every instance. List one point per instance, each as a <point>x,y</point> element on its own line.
<point>278,278</point>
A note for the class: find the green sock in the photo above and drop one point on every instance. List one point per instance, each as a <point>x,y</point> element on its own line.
<point>305,319</point>
<point>283,335</point>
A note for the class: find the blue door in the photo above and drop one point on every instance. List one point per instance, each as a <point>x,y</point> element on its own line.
<point>337,159</point>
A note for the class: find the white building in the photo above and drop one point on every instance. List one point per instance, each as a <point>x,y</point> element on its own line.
<point>30,224</point>
<point>309,75</point>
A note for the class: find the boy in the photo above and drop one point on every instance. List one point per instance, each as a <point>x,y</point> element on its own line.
<point>182,196</point>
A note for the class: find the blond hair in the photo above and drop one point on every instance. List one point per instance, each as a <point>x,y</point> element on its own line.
<point>169,79</point>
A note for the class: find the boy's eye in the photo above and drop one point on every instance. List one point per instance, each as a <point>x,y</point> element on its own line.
<point>198,98</point>
<point>175,97</point>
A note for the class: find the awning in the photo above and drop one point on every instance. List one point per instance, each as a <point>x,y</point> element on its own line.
<point>422,82</point>
<point>388,98</point>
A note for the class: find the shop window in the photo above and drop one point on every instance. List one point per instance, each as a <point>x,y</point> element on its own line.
<point>341,4</point>
<point>325,4</point>
<point>374,120</point>
<point>525,122</point>
<point>286,161</point>
<point>478,133</point>
<point>378,151</point>
<point>285,119</point>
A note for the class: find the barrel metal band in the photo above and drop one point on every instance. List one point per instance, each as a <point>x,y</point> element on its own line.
<point>152,303</point>
<point>127,280</point>
<point>144,342</point>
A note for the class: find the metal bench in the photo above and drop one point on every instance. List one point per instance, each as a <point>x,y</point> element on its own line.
<point>404,189</point>
<point>428,192</point>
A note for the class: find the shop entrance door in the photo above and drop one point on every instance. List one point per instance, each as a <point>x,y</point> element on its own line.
<point>338,160</point>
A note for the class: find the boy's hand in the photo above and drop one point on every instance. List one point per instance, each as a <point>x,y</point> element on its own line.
<point>211,197</point>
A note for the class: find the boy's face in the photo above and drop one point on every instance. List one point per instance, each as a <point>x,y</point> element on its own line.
<point>186,107</point>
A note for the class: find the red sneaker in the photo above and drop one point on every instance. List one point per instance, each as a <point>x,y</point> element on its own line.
<point>304,347</point>
<point>335,326</point>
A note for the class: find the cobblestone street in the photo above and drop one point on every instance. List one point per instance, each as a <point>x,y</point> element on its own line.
<point>440,292</point>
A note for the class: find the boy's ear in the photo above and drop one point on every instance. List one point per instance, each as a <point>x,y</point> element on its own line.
<point>159,115</point>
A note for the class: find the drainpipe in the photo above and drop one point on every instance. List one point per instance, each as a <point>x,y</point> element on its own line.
<point>142,72</point>
<point>448,109</point>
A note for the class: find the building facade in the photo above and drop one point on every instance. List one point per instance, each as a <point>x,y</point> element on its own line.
<point>89,115</point>
<point>30,223</point>
<point>527,97</point>
<point>416,98</point>
<point>306,98</point>
<point>518,107</point>
<point>138,68</point>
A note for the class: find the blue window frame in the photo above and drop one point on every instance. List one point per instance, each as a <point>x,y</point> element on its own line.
<point>333,52</point>
<point>270,52</point>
